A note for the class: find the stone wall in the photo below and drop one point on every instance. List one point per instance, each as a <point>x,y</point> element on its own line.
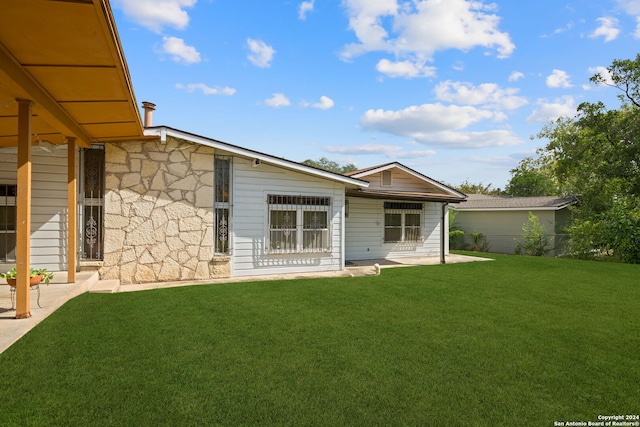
<point>159,219</point>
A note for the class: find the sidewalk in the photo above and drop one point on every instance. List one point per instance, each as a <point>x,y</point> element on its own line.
<point>58,291</point>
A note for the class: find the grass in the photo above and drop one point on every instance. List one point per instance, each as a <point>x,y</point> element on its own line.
<point>516,341</point>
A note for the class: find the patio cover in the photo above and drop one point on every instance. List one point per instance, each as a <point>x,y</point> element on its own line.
<point>63,80</point>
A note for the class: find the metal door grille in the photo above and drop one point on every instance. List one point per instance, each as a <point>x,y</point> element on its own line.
<point>92,203</point>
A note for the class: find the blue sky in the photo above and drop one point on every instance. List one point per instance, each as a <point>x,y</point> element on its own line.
<point>454,89</point>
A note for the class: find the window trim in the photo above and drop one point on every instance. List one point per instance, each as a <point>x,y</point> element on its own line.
<point>299,204</point>
<point>403,209</point>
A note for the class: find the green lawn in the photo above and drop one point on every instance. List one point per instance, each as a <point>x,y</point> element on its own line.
<point>517,341</point>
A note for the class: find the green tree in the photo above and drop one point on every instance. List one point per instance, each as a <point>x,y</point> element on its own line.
<point>330,165</point>
<point>596,155</point>
<point>472,188</point>
<point>531,178</point>
<point>534,240</point>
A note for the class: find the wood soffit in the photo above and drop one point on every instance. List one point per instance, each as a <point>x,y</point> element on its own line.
<point>65,56</point>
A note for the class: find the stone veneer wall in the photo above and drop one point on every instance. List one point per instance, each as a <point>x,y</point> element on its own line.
<point>159,219</point>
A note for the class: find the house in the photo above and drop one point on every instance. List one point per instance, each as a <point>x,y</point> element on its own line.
<point>500,219</point>
<point>84,184</point>
<point>398,214</point>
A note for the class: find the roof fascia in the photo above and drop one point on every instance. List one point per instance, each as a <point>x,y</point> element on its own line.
<point>163,132</point>
<point>546,208</point>
<point>111,33</point>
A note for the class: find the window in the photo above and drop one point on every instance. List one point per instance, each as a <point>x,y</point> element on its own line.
<point>8,223</point>
<point>298,224</point>
<point>402,222</point>
<point>92,201</point>
<point>222,203</point>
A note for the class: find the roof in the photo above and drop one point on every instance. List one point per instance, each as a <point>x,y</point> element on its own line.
<point>65,56</point>
<point>447,193</point>
<point>163,131</point>
<point>483,202</point>
<point>404,195</point>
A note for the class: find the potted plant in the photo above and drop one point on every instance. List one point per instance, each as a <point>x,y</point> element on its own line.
<point>36,276</point>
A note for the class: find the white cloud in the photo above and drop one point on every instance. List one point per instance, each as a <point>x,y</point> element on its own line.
<point>277,100</point>
<point>439,125</point>
<point>604,73</point>
<point>487,94</point>
<point>559,79</point>
<point>561,30</point>
<point>207,90</point>
<point>426,118</point>
<point>261,53</point>
<point>155,14</point>
<point>324,104</point>
<point>179,51</point>
<point>423,27</point>
<point>470,140</point>
<point>389,151</point>
<point>608,29</point>
<point>515,76</point>
<point>549,111</point>
<point>406,69</point>
<point>632,7</point>
<point>305,7</point>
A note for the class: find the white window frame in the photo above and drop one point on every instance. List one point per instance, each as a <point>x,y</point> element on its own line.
<point>404,209</point>
<point>298,205</point>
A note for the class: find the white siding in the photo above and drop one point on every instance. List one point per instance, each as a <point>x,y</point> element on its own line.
<point>48,206</point>
<point>365,232</point>
<point>251,185</point>
<point>400,181</point>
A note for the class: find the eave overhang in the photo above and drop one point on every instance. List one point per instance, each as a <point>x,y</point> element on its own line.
<point>65,56</point>
<point>403,195</point>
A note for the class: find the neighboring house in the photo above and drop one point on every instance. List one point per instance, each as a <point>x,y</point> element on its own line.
<point>500,219</point>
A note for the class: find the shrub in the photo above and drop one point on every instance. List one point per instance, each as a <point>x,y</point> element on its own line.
<point>535,240</point>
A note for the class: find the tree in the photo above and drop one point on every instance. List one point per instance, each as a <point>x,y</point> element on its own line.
<point>596,155</point>
<point>531,178</point>
<point>480,188</point>
<point>535,240</point>
<point>330,165</point>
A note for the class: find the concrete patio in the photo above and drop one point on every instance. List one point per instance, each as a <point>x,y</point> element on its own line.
<point>58,292</point>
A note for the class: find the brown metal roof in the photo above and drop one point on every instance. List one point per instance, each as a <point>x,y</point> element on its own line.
<point>487,202</point>
<point>66,57</point>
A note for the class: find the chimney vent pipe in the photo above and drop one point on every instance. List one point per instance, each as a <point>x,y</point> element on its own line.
<point>148,107</point>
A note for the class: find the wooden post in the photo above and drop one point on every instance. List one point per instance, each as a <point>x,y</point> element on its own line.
<point>72,214</point>
<point>23,210</point>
